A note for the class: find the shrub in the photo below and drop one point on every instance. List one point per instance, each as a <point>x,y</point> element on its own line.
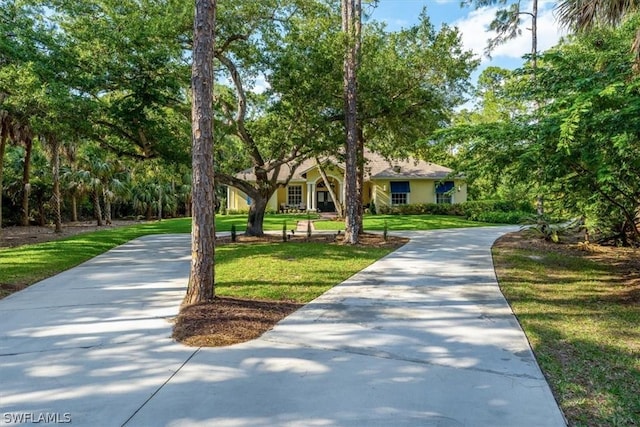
<point>237,211</point>
<point>498,217</point>
<point>421,209</point>
<point>372,208</point>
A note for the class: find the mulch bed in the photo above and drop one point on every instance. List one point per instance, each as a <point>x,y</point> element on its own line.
<point>227,321</point>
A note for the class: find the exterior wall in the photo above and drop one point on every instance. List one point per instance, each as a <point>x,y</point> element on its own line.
<point>367,192</point>
<point>237,200</point>
<point>460,196</point>
<point>422,191</point>
<point>378,191</point>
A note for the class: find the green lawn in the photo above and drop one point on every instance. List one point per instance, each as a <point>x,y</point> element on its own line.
<point>271,222</point>
<point>28,264</point>
<point>297,272</point>
<point>404,222</point>
<point>583,322</point>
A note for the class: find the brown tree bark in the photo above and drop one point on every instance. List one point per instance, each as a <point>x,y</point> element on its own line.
<point>201,279</point>
<point>360,182</point>
<point>55,163</point>
<point>97,210</point>
<point>350,13</point>
<point>26,172</point>
<point>107,205</point>
<point>74,208</point>
<point>4,136</point>
<point>256,217</point>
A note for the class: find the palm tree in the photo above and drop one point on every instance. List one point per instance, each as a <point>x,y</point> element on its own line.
<point>583,15</point>
<point>71,179</point>
<point>5,129</point>
<point>102,177</point>
<point>51,145</point>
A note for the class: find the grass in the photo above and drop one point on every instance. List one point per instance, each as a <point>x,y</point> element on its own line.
<point>28,264</point>
<point>295,272</point>
<point>25,265</point>
<point>404,222</point>
<point>582,318</point>
<point>271,222</point>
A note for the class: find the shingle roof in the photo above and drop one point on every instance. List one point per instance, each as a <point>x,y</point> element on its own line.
<point>377,167</point>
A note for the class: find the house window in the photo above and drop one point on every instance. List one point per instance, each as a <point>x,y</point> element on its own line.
<point>400,192</point>
<point>398,198</point>
<point>294,195</point>
<point>444,192</point>
<point>443,198</point>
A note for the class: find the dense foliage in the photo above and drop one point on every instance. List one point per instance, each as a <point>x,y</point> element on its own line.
<point>570,133</point>
<point>97,95</point>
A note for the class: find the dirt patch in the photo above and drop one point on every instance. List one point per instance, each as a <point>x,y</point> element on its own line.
<point>18,236</point>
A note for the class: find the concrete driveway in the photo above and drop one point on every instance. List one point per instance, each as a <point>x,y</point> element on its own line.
<point>422,337</point>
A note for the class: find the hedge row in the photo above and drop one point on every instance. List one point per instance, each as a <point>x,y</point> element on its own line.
<point>502,212</point>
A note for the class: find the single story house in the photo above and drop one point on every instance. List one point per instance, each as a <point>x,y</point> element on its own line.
<point>386,183</point>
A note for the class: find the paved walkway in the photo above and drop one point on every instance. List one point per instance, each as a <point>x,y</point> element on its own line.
<point>423,337</point>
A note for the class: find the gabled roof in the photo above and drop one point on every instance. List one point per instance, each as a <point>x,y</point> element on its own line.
<point>376,167</point>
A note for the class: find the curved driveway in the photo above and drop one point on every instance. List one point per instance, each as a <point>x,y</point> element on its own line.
<point>423,337</point>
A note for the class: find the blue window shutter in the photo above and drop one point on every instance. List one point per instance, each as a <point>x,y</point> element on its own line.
<point>400,187</point>
<point>444,187</point>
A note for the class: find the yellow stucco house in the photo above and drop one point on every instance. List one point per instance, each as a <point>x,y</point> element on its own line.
<point>386,183</point>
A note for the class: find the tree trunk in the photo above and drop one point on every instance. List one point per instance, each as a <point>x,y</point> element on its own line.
<point>96,207</point>
<point>74,208</point>
<point>349,29</point>
<point>26,186</point>
<point>149,212</point>
<point>107,206</point>
<point>534,66</point>
<point>42,220</point>
<point>187,207</point>
<point>3,146</point>
<point>159,203</point>
<point>334,197</point>
<point>55,160</point>
<point>201,287</point>
<point>360,187</point>
<point>256,216</point>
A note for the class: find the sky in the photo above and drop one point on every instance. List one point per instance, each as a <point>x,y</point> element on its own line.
<point>473,25</point>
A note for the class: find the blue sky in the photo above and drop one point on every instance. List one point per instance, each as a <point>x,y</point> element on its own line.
<point>473,26</point>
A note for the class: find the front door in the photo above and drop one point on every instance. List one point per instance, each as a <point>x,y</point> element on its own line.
<point>325,204</point>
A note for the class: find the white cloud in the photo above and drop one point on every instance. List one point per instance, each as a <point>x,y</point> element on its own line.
<point>475,33</point>
<point>260,84</point>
